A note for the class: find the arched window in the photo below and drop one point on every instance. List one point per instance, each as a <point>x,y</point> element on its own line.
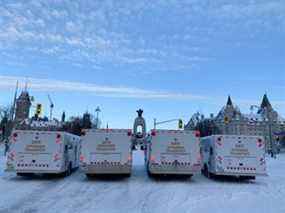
<point>139,129</point>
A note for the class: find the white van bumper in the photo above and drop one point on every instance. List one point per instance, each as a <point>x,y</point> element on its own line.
<point>41,171</point>
<point>240,174</point>
<point>174,169</point>
<point>107,169</point>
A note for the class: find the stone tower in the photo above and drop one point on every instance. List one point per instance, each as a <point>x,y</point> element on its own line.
<point>23,105</point>
<point>229,120</point>
<point>86,121</point>
<point>265,123</point>
<point>265,102</point>
<point>266,109</point>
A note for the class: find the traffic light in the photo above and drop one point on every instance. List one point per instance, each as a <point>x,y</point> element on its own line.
<point>226,119</point>
<point>180,124</point>
<point>39,109</point>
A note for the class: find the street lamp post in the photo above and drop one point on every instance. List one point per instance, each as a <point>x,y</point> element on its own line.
<point>97,110</point>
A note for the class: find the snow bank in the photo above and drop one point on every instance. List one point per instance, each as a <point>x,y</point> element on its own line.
<point>141,194</point>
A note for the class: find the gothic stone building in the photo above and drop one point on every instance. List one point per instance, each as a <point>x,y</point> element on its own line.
<point>265,122</point>
<point>23,105</point>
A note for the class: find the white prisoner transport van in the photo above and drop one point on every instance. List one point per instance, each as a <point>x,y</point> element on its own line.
<point>43,152</point>
<point>173,152</point>
<point>233,155</point>
<point>106,151</point>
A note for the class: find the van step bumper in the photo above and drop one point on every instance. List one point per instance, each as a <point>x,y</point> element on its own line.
<point>107,169</point>
<point>173,169</point>
<point>239,174</point>
<point>41,171</point>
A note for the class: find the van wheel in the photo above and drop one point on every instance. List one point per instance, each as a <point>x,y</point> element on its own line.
<point>212,176</point>
<point>69,170</point>
<point>205,171</point>
<point>128,175</point>
<point>89,176</point>
<point>149,173</point>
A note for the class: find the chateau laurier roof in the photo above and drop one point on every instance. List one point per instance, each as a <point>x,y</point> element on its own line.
<point>229,102</point>
<point>233,111</point>
<point>265,102</point>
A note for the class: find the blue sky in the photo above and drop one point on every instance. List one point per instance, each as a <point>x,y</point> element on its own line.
<point>170,58</point>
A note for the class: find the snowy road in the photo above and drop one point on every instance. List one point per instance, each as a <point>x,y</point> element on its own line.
<point>141,194</point>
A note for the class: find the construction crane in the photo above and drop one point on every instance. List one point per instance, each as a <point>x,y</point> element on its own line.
<point>51,107</point>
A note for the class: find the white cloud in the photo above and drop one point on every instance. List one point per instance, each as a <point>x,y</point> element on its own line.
<point>45,85</point>
<point>71,27</point>
<point>105,32</point>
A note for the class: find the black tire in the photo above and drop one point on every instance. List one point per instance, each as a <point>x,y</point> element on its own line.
<point>128,175</point>
<point>89,176</point>
<point>205,171</point>
<point>149,173</point>
<point>69,170</point>
<point>189,176</point>
<point>212,176</point>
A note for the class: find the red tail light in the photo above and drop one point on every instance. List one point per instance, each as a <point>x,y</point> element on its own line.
<point>197,134</point>
<point>58,139</point>
<point>260,143</point>
<point>130,158</point>
<point>14,137</point>
<point>129,133</point>
<point>56,157</point>
<point>12,156</point>
<point>153,133</point>
<point>152,158</point>
<point>219,141</point>
<point>82,158</point>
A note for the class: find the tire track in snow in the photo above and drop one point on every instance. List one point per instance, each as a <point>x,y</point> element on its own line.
<point>27,203</point>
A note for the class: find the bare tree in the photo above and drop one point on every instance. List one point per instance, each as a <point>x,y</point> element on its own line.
<point>6,111</point>
<point>6,123</point>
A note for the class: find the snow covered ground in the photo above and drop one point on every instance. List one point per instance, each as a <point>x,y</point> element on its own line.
<point>142,194</point>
